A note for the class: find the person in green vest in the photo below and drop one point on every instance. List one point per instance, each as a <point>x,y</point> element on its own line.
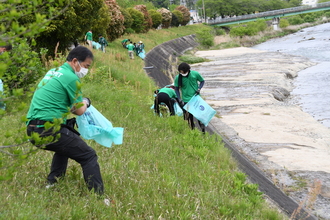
<point>130,47</point>
<point>103,42</point>
<point>189,83</point>
<point>58,92</point>
<point>167,96</point>
<point>124,42</point>
<point>89,39</point>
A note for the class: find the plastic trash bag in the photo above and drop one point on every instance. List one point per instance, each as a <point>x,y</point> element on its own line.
<point>2,104</point>
<point>200,109</point>
<point>93,125</point>
<point>178,111</point>
<point>96,45</point>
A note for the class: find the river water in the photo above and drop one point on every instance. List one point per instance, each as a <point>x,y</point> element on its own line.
<point>312,86</point>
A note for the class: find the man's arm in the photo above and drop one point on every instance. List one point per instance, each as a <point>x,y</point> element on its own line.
<point>82,106</point>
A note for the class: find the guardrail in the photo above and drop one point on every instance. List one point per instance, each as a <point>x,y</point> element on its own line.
<point>272,13</point>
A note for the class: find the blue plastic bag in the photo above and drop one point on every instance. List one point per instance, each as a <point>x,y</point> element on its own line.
<point>93,125</point>
<point>200,109</point>
<point>178,111</point>
<point>2,105</point>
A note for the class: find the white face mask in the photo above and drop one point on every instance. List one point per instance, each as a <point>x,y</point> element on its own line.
<point>184,74</point>
<point>83,71</point>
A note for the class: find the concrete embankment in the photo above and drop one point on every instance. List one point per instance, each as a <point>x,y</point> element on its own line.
<point>162,59</point>
<point>244,94</point>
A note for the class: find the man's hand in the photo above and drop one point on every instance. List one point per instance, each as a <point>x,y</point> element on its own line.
<point>198,91</point>
<point>87,101</point>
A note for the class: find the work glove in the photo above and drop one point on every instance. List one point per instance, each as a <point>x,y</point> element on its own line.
<point>198,91</point>
<point>87,101</point>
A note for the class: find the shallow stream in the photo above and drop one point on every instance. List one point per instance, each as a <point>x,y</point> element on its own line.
<point>312,85</point>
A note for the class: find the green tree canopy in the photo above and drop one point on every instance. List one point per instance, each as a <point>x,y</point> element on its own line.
<point>156,18</point>
<point>138,20</point>
<point>80,17</point>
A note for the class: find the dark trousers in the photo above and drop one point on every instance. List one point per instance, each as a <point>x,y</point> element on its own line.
<point>190,118</point>
<point>70,145</point>
<point>163,97</point>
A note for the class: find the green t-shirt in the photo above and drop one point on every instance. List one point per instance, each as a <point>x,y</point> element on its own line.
<point>89,35</point>
<point>189,85</point>
<point>170,92</point>
<point>130,47</point>
<point>55,94</point>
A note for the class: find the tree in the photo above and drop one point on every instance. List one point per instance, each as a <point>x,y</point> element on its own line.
<point>21,20</point>
<point>128,20</point>
<point>116,26</point>
<point>166,17</point>
<point>185,13</point>
<point>147,19</point>
<point>156,18</point>
<point>138,20</point>
<point>176,18</point>
<point>80,17</point>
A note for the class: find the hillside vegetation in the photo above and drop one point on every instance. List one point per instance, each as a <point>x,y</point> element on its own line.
<point>163,170</point>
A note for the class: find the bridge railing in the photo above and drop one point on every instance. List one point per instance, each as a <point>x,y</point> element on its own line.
<point>273,13</point>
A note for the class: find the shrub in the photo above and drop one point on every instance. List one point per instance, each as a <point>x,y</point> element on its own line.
<point>175,21</point>
<point>128,20</point>
<point>179,16</point>
<point>327,14</point>
<point>147,24</point>
<point>259,25</point>
<point>116,26</point>
<point>191,59</point>
<point>138,20</point>
<point>284,23</point>
<point>156,18</point>
<point>219,31</point>
<point>166,17</point>
<point>24,67</point>
<point>205,38</point>
<point>309,18</point>
<point>295,20</point>
<point>185,13</point>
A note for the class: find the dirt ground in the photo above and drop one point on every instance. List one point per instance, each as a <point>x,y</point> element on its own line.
<point>250,89</point>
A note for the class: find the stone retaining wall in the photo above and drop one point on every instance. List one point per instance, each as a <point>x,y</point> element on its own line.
<point>162,59</point>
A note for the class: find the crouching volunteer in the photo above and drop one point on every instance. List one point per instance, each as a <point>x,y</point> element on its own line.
<point>167,96</point>
<point>190,83</point>
<point>55,94</point>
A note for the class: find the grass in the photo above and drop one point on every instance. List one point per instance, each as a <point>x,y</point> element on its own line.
<point>163,170</point>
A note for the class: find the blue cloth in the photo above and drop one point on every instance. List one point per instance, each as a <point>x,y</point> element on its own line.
<point>200,109</point>
<point>2,105</point>
<point>93,125</point>
<point>96,45</point>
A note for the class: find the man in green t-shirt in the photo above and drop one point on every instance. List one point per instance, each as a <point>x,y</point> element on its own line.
<point>187,81</point>
<point>130,47</point>
<point>124,42</point>
<point>89,39</point>
<point>57,92</point>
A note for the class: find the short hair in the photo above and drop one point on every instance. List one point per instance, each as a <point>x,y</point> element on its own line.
<point>7,47</point>
<point>184,67</point>
<point>80,53</point>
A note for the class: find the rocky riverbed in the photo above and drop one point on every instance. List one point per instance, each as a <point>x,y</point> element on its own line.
<point>250,89</point>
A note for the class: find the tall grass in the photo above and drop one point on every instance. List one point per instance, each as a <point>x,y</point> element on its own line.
<point>163,170</point>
